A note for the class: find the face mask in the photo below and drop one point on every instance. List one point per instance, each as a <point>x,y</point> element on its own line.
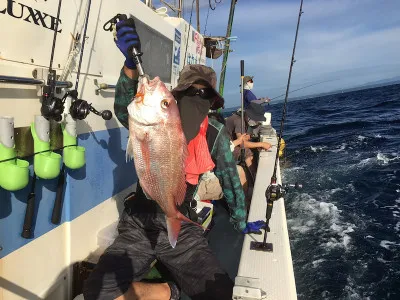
<point>252,123</point>
<point>249,85</point>
<point>193,110</point>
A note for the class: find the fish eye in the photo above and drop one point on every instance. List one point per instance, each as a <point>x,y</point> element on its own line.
<point>164,104</point>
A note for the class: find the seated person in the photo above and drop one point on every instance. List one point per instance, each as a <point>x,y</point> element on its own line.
<point>253,116</point>
<point>234,144</point>
<point>241,172</point>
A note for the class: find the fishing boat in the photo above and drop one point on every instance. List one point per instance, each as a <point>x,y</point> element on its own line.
<point>63,181</point>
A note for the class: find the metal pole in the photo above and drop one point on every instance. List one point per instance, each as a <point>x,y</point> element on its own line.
<point>226,50</point>
<point>242,150</point>
<point>242,96</point>
<point>180,8</point>
<point>198,15</point>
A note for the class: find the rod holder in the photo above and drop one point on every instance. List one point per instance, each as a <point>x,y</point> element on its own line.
<point>7,131</point>
<point>14,173</point>
<point>74,156</point>
<point>102,86</point>
<point>46,162</point>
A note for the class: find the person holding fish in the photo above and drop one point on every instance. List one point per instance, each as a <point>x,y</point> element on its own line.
<point>173,143</point>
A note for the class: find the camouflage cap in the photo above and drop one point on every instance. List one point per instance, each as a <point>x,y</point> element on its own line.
<point>194,73</point>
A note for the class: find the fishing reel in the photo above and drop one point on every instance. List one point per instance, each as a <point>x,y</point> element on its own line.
<point>275,192</point>
<point>80,109</point>
<point>52,107</point>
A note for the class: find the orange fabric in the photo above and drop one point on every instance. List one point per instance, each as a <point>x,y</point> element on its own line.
<point>199,158</point>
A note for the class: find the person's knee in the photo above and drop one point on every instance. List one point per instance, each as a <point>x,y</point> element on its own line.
<point>249,160</point>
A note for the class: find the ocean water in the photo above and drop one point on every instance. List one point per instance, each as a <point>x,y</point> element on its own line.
<point>344,225</point>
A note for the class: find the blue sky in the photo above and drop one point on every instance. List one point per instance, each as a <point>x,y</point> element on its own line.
<point>350,42</point>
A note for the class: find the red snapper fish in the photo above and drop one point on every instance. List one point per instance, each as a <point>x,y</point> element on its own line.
<point>158,147</point>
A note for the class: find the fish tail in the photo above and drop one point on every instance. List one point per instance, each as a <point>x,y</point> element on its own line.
<point>183,218</point>
<point>173,228</point>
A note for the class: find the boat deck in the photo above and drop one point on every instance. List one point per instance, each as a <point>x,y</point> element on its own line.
<point>270,272</point>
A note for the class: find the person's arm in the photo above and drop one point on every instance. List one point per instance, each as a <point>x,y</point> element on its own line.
<point>125,90</point>
<point>226,171</point>
<point>251,145</point>
<point>239,140</point>
<point>126,87</point>
<point>250,97</point>
<point>261,100</point>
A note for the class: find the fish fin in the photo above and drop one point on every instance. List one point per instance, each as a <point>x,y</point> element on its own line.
<point>173,228</point>
<point>129,150</point>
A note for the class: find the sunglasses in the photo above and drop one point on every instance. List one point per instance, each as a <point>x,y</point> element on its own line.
<point>205,93</point>
<point>251,81</point>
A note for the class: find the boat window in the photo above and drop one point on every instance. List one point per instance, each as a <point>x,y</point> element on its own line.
<point>157,49</point>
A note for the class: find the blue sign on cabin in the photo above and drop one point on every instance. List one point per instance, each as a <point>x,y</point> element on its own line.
<point>177,47</point>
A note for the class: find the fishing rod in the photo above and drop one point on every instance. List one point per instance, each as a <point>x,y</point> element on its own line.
<point>52,108</point>
<point>75,111</point>
<point>242,150</point>
<point>81,108</point>
<point>276,191</point>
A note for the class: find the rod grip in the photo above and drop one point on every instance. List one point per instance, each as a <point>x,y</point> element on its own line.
<point>29,213</point>
<point>58,203</point>
<point>270,206</point>
<point>242,67</point>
